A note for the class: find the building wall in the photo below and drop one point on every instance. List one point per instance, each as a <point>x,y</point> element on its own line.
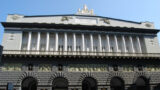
<point>1,49</point>
<point>152,44</point>
<point>12,40</point>
<point>82,20</point>
<point>76,77</point>
<point>149,43</point>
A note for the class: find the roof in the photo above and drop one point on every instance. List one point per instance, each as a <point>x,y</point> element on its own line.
<point>77,27</point>
<point>84,16</point>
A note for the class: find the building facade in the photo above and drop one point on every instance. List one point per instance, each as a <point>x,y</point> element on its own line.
<point>82,51</point>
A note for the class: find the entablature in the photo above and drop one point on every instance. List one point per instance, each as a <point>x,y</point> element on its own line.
<point>81,54</point>
<point>77,27</point>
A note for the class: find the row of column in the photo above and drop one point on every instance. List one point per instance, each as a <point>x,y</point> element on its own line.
<point>107,41</point>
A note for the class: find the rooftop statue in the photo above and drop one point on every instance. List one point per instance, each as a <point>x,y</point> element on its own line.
<point>85,11</point>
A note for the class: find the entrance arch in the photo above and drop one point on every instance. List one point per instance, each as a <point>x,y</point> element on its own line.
<point>142,83</point>
<point>60,83</point>
<point>117,83</point>
<point>89,84</point>
<point>29,83</point>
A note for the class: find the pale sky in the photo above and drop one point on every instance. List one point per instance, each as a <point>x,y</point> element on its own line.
<point>132,10</point>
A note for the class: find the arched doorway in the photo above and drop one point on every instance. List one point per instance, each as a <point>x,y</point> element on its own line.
<point>89,84</point>
<point>60,83</point>
<point>142,83</point>
<point>117,83</point>
<point>29,83</point>
<point>157,87</point>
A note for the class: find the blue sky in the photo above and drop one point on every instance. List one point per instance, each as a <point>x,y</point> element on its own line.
<point>134,10</point>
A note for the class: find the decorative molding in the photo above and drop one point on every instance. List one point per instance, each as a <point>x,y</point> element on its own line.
<point>140,74</point>
<point>84,75</point>
<point>148,25</point>
<point>105,20</point>
<point>56,75</point>
<point>114,74</point>
<point>15,17</point>
<point>25,75</point>
<point>66,18</point>
<point>85,11</point>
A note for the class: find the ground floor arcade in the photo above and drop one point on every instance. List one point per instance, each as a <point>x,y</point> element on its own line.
<point>88,83</point>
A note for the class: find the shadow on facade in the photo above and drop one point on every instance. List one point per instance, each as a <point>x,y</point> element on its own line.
<point>89,84</point>
<point>29,83</point>
<point>117,83</point>
<point>141,83</point>
<point>157,87</point>
<point>60,83</point>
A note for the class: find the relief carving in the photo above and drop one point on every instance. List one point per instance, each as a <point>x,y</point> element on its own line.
<point>105,20</point>
<point>65,18</point>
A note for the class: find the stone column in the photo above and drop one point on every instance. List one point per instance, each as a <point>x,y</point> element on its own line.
<point>56,41</point>
<point>108,43</point>
<point>29,40</point>
<point>38,40</point>
<point>139,45</point>
<point>65,41</point>
<point>131,41</point>
<point>83,43</point>
<point>116,43</point>
<point>74,42</point>
<point>100,42</point>
<point>124,43</point>
<point>47,42</point>
<point>91,40</point>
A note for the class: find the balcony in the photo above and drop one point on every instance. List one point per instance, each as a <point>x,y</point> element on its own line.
<point>80,53</point>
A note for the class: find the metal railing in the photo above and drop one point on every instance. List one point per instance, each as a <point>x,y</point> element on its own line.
<point>78,53</point>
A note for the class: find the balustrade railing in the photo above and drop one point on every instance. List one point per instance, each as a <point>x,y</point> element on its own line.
<point>78,53</point>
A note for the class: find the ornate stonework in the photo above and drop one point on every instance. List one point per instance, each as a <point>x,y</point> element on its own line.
<point>15,17</point>
<point>65,18</point>
<point>85,11</point>
<point>105,20</point>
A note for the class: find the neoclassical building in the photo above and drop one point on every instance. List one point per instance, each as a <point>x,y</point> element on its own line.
<point>79,51</point>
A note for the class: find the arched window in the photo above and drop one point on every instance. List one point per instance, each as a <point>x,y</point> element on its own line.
<point>60,83</point>
<point>89,84</point>
<point>142,83</point>
<point>117,83</point>
<point>29,83</point>
<point>30,67</point>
